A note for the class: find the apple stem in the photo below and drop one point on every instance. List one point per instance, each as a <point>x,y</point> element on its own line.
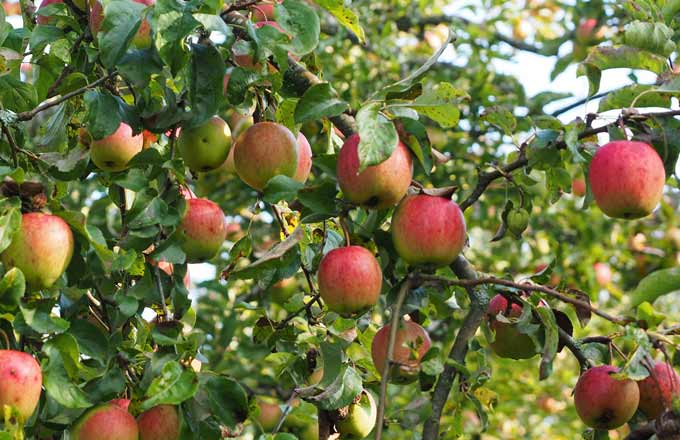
<point>385,373</point>
<point>345,230</point>
<point>6,339</point>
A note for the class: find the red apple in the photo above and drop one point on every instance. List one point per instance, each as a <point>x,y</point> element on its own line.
<point>203,229</point>
<point>379,186</point>
<point>578,187</point>
<point>20,382</point>
<point>269,414</point>
<point>108,421</point>
<point>587,32</point>
<point>508,341</point>
<point>113,152</point>
<point>265,150</point>
<point>603,402</point>
<point>603,273</point>
<point>360,419</point>
<point>428,230</point>
<point>304,159</point>
<point>410,346</point>
<point>658,390</point>
<point>159,423</point>
<point>42,249</point>
<point>350,280</point>
<point>206,146</point>
<point>627,179</point>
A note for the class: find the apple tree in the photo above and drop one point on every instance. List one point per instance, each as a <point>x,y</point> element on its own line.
<point>323,219</point>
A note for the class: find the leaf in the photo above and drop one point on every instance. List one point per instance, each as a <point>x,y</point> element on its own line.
<point>319,101</point>
<point>102,117</point>
<point>281,188</point>
<point>173,25</point>
<point>300,21</point>
<point>226,399</point>
<point>643,95</point>
<point>174,385</point>
<point>378,137</point>
<point>17,95</point>
<point>656,284</point>
<point>545,314</point>
<point>345,16</point>
<point>341,392</point>
<point>43,35</point>
<point>206,75</point>
<point>414,135</point>
<point>10,221</point>
<point>441,104</point>
<point>12,288</point>
<point>502,118</point>
<point>285,114</point>
<point>652,37</point>
<point>59,384</point>
<point>39,317</point>
<point>277,251</point>
<point>647,314</point>
<point>122,19</point>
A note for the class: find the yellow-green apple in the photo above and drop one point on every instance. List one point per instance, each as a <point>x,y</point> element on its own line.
<point>578,187</point>
<point>410,346</point>
<point>159,423</point>
<point>113,152</point>
<point>20,382</point>
<point>282,290</point>
<point>269,413</point>
<point>203,230</point>
<point>428,230</point>
<point>658,390</point>
<point>206,146</point>
<point>42,249</point>
<point>350,280</point>
<point>265,150</point>
<point>107,421</point>
<point>378,186</point>
<point>603,273</point>
<point>360,419</point>
<point>508,342</point>
<point>605,402</point>
<point>141,40</point>
<point>310,432</point>
<point>627,179</point>
<point>304,159</point>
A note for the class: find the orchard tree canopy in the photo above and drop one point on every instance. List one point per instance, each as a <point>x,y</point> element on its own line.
<point>332,219</point>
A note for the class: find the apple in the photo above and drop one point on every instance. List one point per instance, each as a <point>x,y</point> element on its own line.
<point>603,273</point>
<point>122,403</point>
<point>311,432</point>
<point>282,290</point>
<point>627,179</point>
<point>315,377</point>
<point>410,346</point>
<point>508,341</point>
<point>658,390</point>
<point>578,187</point>
<point>269,413</point>
<point>379,186</point>
<point>603,402</point>
<point>265,150</point>
<point>206,146</point>
<point>20,382</point>
<point>428,230</point>
<point>304,151</point>
<point>360,419</point>
<point>159,423</point>
<point>263,11</point>
<point>141,40</point>
<point>42,249</point>
<point>44,19</point>
<point>203,229</point>
<point>587,32</point>
<point>107,421</point>
<point>350,280</point>
<point>113,152</point>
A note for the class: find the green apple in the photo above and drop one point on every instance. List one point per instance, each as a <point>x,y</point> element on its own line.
<point>360,419</point>
<point>206,146</point>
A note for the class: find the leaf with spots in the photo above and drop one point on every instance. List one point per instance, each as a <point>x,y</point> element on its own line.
<point>441,104</point>
<point>345,16</point>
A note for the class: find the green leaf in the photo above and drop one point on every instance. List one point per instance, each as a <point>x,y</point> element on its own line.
<point>281,188</point>
<point>138,66</point>
<point>173,25</point>
<point>653,37</point>
<point>12,288</point>
<point>378,137</point>
<point>122,19</point>
<point>226,399</point>
<point>341,392</point>
<point>43,35</point>
<point>345,16</point>
<point>17,95</point>
<point>319,101</point>
<point>414,135</point>
<point>643,95</point>
<point>92,341</point>
<point>300,21</point>
<point>39,317</point>
<point>102,117</point>
<point>206,75</point>
<point>10,220</point>
<point>174,385</point>
<point>646,313</point>
<point>60,373</point>
<point>441,104</point>
<point>656,284</point>
<point>547,317</point>
<point>502,118</point>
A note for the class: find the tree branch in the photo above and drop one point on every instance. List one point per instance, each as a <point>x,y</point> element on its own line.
<point>575,348</point>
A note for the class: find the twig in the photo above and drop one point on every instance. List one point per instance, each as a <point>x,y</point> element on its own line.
<point>575,348</point>
<point>12,143</point>
<point>573,105</point>
<point>394,326</point>
<point>286,411</point>
<point>307,307</point>
<point>66,70</point>
<point>159,285</point>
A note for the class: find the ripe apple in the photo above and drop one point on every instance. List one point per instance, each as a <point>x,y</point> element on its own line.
<point>205,147</point>
<point>410,346</point>
<point>578,187</point>
<point>627,179</point>
<point>378,186</point>
<point>603,402</point>
<point>587,32</point>
<point>350,280</point>
<point>42,249</point>
<point>269,413</point>
<point>141,40</point>
<point>603,273</point>
<point>428,230</point>
<point>115,151</point>
<point>20,382</point>
<point>159,423</point>
<point>203,229</point>
<point>360,419</point>
<point>304,151</point>
<point>658,389</point>
<point>107,421</point>
<point>265,150</point>
<point>508,341</point>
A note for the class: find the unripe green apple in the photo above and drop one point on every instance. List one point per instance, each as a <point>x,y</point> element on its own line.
<point>311,432</point>
<point>360,419</point>
<point>113,152</point>
<point>428,230</point>
<point>42,249</point>
<point>379,186</point>
<point>20,382</point>
<point>265,150</point>
<point>603,402</point>
<point>269,413</point>
<point>108,421</point>
<point>627,179</point>
<point>283,290</point>
<point>410,347</point>
<point>517,221</point>
<point>206,146</point>
<point>350,280</point>
<point>203,230</point>
<point>508,341</point>
<point>658,390</point>
<point>159,423</point>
